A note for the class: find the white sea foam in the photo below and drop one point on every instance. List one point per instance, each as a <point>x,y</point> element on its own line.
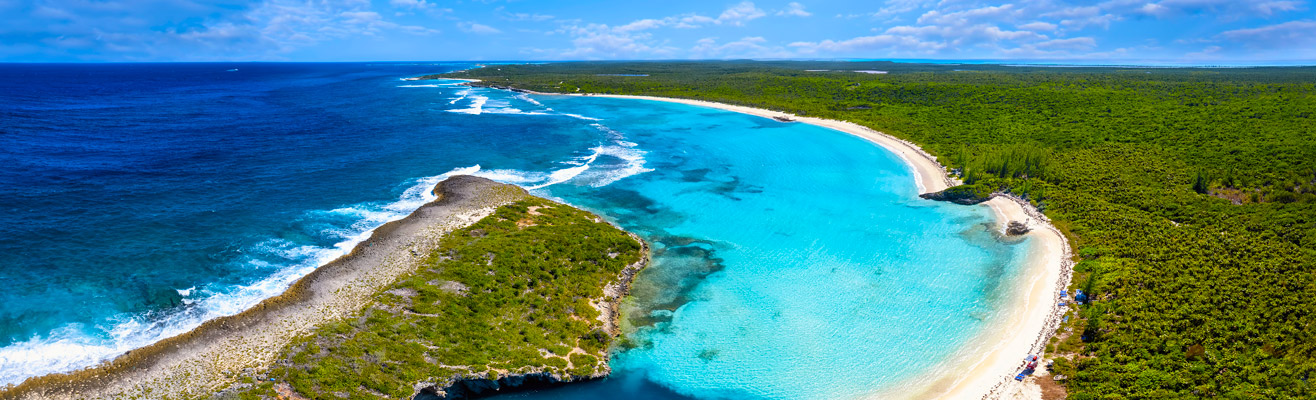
<point>460,96</point>
<point>561,175</point>
<point>581,117</point>
<point>612,134</point>
<point>530,100</point>
<point>512,176</point>
<point>432,85</point>
<point>476,108</point>
<point>632,163</point>
<point>510,110</point>
<point>75,345</point>
<point>631,158</point>
<point>504,106</point>
<point>483,103</point>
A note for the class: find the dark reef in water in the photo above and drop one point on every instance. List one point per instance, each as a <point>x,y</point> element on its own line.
<point>963,194</point>
<point>476,388</point>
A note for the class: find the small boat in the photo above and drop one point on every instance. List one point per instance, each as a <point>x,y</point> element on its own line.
<point>233,70</point>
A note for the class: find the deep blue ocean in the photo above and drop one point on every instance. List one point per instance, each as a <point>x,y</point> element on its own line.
<point>790,261</point>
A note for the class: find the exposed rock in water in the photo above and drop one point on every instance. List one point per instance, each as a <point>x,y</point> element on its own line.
<point>963,194</point>
<point>1016,228</point>
<point>483,387</point>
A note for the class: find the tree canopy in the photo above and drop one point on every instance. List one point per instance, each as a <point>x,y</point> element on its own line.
<point>1188,193</point>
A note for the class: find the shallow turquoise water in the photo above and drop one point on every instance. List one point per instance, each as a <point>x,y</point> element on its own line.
<point>791,261</point>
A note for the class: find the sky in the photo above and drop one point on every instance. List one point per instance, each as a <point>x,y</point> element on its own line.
<point>1173,31</point>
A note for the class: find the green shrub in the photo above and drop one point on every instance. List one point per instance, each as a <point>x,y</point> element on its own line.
<point>528,279</point>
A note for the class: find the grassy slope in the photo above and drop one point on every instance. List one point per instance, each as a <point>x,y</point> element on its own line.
<point>1195,296</point>
<point>509,294</point>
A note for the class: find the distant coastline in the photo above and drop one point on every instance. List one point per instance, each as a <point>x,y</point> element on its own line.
<point>986,371</point>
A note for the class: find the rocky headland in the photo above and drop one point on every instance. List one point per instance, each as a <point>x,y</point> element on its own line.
<point>263,352</point>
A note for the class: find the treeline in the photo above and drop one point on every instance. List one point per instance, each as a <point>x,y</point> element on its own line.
<point>1189,194</point>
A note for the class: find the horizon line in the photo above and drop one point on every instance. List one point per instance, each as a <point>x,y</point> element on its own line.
<point>929,61</point>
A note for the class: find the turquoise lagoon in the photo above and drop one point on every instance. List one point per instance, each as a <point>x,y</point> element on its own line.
<point>790,261</point>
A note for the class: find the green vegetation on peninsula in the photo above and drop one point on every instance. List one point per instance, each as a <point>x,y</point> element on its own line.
<point>1188,194</point>
<point>518,293</point>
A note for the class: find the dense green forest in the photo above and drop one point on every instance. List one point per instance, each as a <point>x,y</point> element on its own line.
<point>510,294</point>
<point>1189,194</point>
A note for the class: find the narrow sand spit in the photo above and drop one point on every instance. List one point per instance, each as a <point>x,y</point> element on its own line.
<point>985,368</point>
<point>211,357</point>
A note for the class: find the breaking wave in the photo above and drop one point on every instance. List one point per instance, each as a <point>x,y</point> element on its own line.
<point>77,345</point>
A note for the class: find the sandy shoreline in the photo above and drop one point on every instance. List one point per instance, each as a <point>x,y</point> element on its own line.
<point>987,373</point>
<point>220,351</point>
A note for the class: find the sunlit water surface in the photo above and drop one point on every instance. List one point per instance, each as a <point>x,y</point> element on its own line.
<point>790,261</point>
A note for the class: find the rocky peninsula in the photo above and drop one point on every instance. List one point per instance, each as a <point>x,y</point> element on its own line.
<point>483,289</point>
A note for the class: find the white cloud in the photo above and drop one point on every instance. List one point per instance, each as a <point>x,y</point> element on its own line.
<point>1074,12</point>
<point>1102,20</point>
<point>993,14</point>
<point>1292,34</point>
<point>1209,52</point>
<point>641,25</point>
<point>534,17</point>
<point>1153,9</point>
<point>739,14</point>
<point>735,15</point>
<point>964,35</point>
<point>896,43</point>
<point>895,7</point>
<point>531,17</point>
<point>747,47</point>
<point>1225,9</point>
<point>691,21</point>
<point>266,30</point>
<point>411,4</point>
<point>600,41</point>
<point>794,9</point>
<point>633,40</point>
<point>967,28</point>
<point>477,28</point>
<point>1038,26</point>
<point>1271,7</point>
<point>1078,43</point>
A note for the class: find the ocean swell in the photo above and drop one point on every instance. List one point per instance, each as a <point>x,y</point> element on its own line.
<point>78,345</point>
<point>280,260</point>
